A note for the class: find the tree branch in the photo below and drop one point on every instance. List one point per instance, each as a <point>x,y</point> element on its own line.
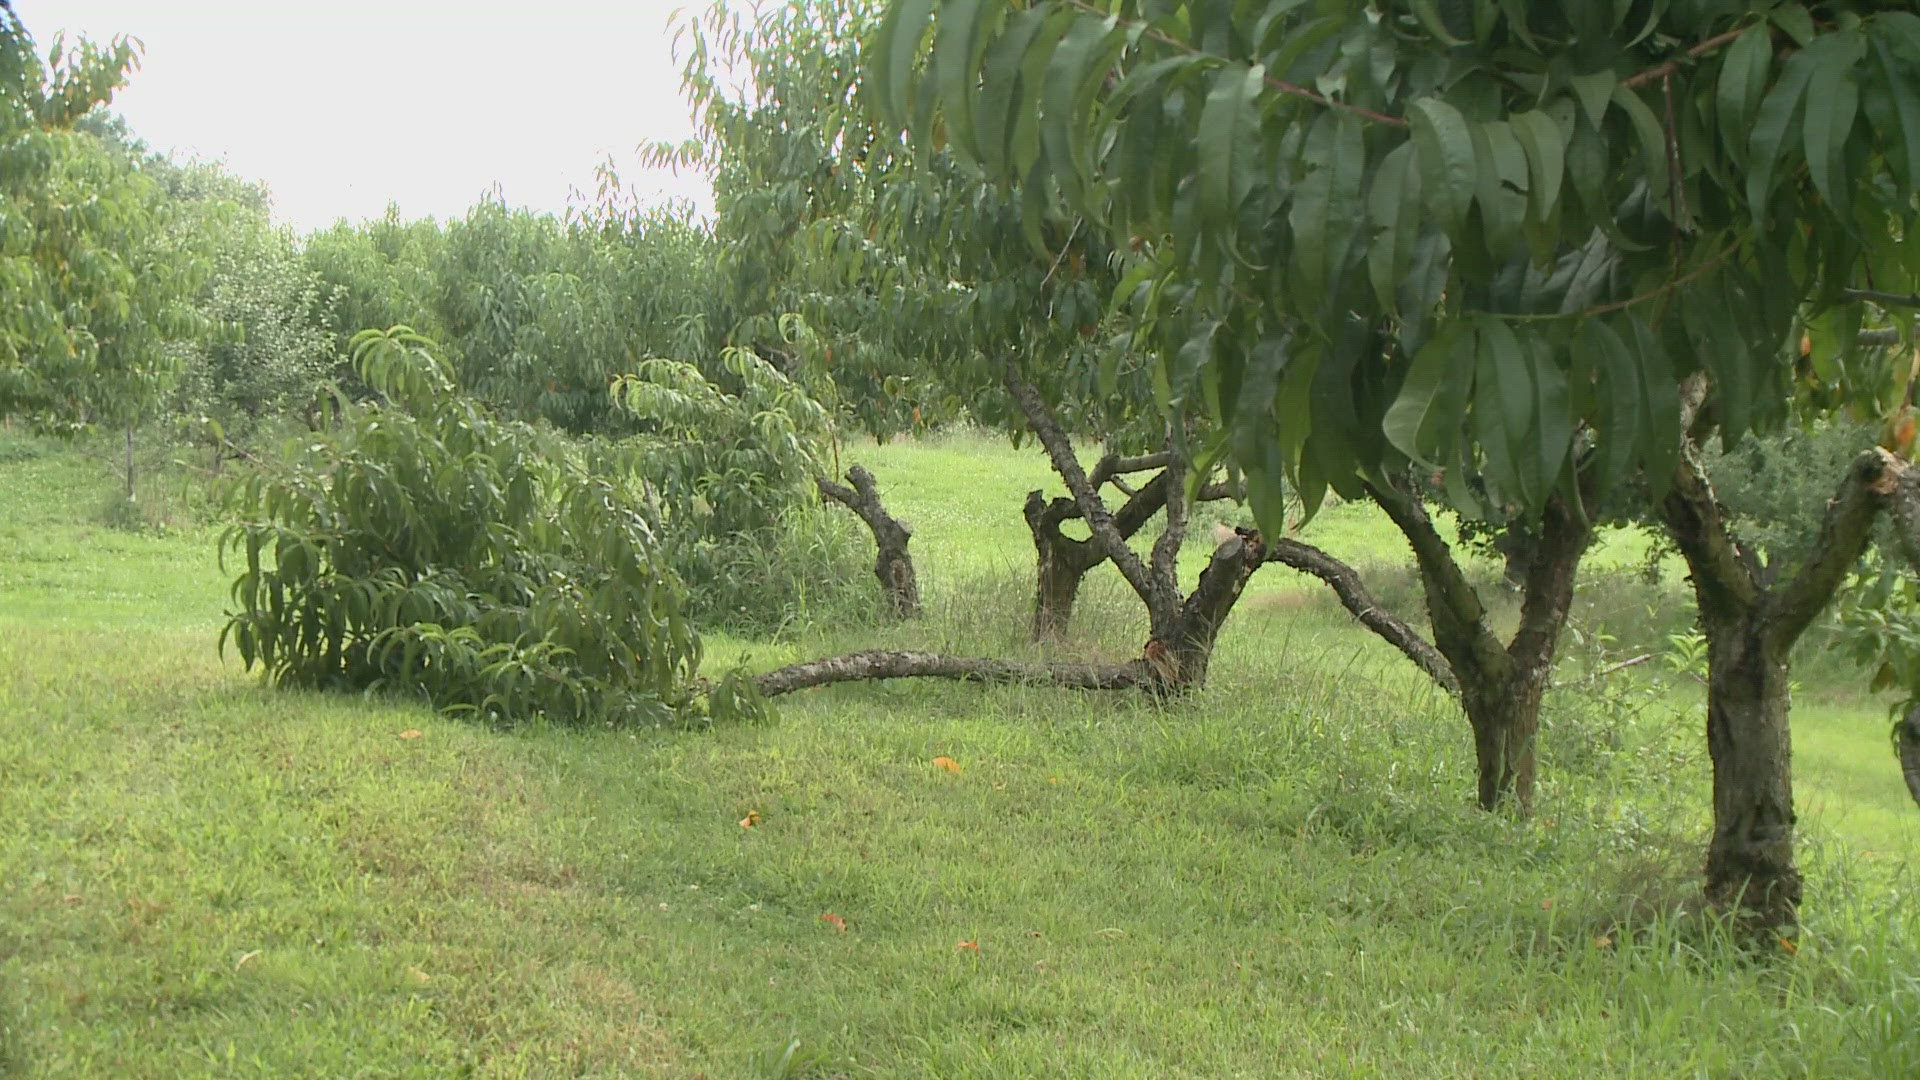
<point>1459,620</point>
<point>888,664</point>
<point>1113,465</point>
<point>1884,299</point>
<point>1723,575</point>
<point>1547,592</point>
<point>1844,532</point>
<point>1060,449</point>
<point>1346,584</point>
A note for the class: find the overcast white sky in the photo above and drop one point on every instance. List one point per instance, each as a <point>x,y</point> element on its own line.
<point>342,105</point>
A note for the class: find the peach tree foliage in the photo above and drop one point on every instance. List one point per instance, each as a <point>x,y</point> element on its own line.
<point>913,278</point>
<point>1461,233</point>
<point>92,284</point>
<point>426,546</point>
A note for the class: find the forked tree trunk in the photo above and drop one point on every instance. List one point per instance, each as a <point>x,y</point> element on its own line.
<point>891,565</point>
<point>1500,685</point>
<point>1062,562</point>
<point>1751,627</point>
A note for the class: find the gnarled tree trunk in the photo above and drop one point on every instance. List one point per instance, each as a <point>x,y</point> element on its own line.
<point>891,565</point>
<point>1751,626</point>
<point>1500,685</point>
<point>1062,561</point>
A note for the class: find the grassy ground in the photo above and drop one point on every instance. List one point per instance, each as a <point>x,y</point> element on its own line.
<point>1283,877</point>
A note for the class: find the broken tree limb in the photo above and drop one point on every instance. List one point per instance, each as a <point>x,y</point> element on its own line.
<point>1345,582</point>
<point>892,564</point>
<point>903,664</point>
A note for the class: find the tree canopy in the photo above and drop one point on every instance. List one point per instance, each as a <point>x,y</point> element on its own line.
<point>1472,235</point>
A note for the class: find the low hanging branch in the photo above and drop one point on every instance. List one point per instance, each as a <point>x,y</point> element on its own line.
<point>1346,584</point>
<point>892,565</point>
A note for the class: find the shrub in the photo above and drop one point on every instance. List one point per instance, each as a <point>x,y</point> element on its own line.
<point>731,475</point>
<point>427,546</point>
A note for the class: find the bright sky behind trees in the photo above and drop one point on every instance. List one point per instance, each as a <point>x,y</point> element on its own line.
<point>340,106</point>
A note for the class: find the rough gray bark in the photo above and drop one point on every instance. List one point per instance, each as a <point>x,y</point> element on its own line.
<point>892,564</point>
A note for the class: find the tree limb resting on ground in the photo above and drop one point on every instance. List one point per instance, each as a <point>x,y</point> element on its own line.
<point>903,664</point>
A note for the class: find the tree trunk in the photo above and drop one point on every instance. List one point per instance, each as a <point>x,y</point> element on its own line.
<point>1750,858</point>
<point>1061,562</point>
<point>130,477</point>
<point>1500,685</point>
<point>1906,744</point>
<point>1750,630</point>
<point>892,565</point>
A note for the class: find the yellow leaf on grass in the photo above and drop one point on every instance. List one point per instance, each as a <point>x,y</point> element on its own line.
<point>834,921</point>
<point>410,733</point>
<point>946,763</point>
<point>752,819</point>
<point>966,946</point>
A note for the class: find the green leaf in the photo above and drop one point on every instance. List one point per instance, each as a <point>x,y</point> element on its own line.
<point>1514,397</point>
<point>1593,91</point>
<point>1448,172</point>
<point>1428,405</point>
<point>1546,148</point>
<point>1226,122</point>
<point>1502,188</point>
<point>1796,20</point>
<point>1619,424</point>
<point>1552,414</point>
<point>1833,99</point>
<point>1393,208</point>
<point>1325,211</point>
<point>1777,113</point>
<point>1743,78</point>
<point>1653,142</point>
<point>1429,15</point>
<point>895,47</point>
<point>1900,99</point>
<point>958,42</point>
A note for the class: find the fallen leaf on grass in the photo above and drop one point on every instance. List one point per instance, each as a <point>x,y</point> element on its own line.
<point>946,763</point>
<point>966,946</point>
<point>834,921</point>
<point>417,977</point>
<point>1604,941</point>
<point>1787,944</point>
<point>244,958</point>
<point>410,733</point>
<point>752,819</point>
<point>71,898</point>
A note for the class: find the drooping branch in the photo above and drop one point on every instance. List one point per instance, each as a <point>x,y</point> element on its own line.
<point>1060,449</point>
<point>892,565</point>
<point>1459,619</point>
<point>1346,584</point>
<point>897,664</point>
<point>1845,530</point>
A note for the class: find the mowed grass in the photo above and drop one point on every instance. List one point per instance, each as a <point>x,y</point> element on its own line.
<point>1281,877</point>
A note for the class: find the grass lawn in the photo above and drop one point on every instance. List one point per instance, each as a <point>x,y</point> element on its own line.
<point>1281,877</point>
